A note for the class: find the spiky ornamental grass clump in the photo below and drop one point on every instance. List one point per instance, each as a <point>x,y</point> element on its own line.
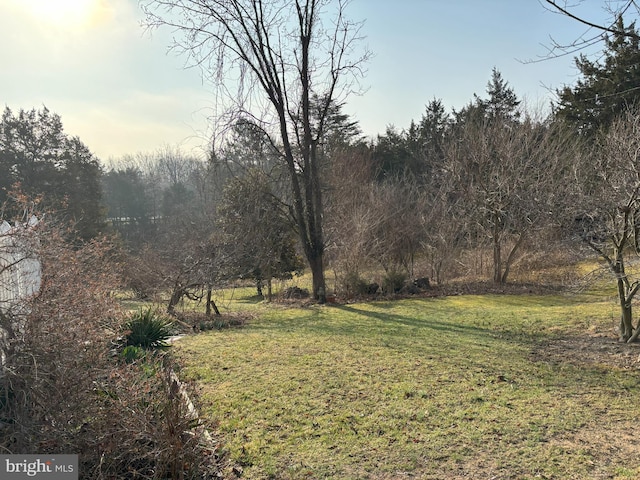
<point>148,329</point>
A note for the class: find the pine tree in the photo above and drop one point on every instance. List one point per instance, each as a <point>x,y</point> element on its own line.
<point>503,102</point>
<point>607,88</point>
<point>37,155</point>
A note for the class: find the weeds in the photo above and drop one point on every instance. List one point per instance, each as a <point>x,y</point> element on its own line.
<point>63,390</point>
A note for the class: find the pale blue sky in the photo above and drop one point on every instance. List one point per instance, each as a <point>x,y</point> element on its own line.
<point>115,86</point>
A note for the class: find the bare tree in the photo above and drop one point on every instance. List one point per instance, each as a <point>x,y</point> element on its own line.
<point>372,224</point>
<point>256,234</point>
<point>397,233</point>
<point>268,59</point>
<point>607,217</point>
<point>444,228</point>
<point>615,10</point>
<point>507,176</point>
<point>184,258</point>
<point>350,216</point>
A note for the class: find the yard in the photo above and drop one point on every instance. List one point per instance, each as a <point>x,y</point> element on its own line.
<point>475,386</point>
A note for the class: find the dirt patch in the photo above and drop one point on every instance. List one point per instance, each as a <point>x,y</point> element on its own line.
<point>605,446</point>
<point>589,348</point>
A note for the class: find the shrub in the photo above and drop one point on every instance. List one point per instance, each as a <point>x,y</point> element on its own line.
<point>140,276</point>
<point>423,283</point>
<point>295,292</point>
<point>393,281</point>
<point>145,429</point>
<point>148,330</point>
<point>353,284</point>
<point>62,391</point>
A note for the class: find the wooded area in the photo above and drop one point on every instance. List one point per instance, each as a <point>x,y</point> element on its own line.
<point>298,179</point>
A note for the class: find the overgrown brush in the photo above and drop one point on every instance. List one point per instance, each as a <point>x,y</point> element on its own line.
<point>145,429</point>
<point>64,391</point>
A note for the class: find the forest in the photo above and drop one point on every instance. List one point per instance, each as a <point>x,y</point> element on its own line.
<point>298,202</point>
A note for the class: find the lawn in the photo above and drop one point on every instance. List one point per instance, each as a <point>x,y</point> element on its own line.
<point>478,387</point>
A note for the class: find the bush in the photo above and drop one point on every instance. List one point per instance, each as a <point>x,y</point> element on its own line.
<point>148,330</point>
<point>145,430</point>
<point>393,282</point>
<point>353,285</point>
<point>62,390</point>
<point>131,353</point>
<point>140,276</point>
<point>295,292</point>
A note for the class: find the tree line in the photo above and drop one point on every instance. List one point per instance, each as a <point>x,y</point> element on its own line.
<point>300,187</point>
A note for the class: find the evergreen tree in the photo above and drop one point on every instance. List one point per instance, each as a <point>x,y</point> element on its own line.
<point>393,156</point>
<point>502,103</point>
<point>339,129</point>
<point>434,126</point>
<point>258,237</point>
<point>125,195</point>
<point>37,155</point>
<point>129,207</point>
<point>415,151</point>
<point>607,88</point>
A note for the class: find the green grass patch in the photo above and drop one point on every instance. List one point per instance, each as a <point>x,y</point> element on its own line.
<point>456,387</point>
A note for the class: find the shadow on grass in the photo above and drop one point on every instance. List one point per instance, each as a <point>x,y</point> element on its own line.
<point>575,371</point>
<point>251,299</point>
<point>449,328</point>
<point>407,328</point>
<point>393,318</point>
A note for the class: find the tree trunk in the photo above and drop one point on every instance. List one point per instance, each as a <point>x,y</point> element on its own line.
<point>211,303</point>
<point>510,259</point>
<point>626,317</point>
<point>497,261</point>
<point>176,296</point>
<point>497,250</point>
<point>636,334</point>
<point>317,273</point>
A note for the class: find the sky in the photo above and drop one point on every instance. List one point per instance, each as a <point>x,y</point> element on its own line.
<point>116,86</point>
